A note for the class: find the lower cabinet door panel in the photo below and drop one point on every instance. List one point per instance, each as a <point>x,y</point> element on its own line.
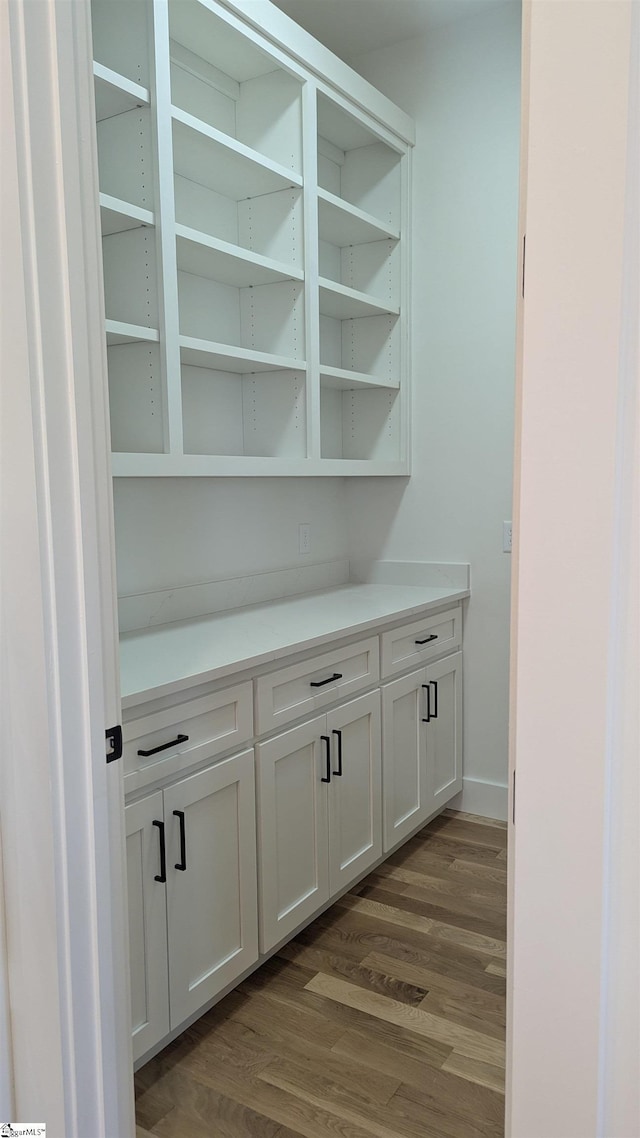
<point>355,807</point>
<point>404,772</point>
<point>444,730</point>
<point>292,812</point>
<point>212,901</point>
<point>147,924</point>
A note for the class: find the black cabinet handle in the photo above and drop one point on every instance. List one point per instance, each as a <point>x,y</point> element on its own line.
<point>162,876</point>
<point>329,680</point>
<point>164,746</point>
<point>428,691</point>
<point>182,864</point>
<point>327,740</point>
<point>434,636</point>
<point>434,713</point>
<point>339,770</point>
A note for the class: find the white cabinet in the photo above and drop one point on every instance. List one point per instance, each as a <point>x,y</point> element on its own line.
<point>147,906</point>
<point>255,236</point>
<point>191,854</point>
<point>319,813</point>
<point>422,745</point>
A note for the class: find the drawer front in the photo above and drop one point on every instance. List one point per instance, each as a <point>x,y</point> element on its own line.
<point>176,737</point>
<point>292,692</point>
<point>413,644</point>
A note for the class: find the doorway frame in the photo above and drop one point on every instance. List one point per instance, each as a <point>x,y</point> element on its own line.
<point>57,515</point>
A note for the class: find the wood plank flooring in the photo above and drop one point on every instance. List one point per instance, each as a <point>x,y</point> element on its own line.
<point>385,1018</point>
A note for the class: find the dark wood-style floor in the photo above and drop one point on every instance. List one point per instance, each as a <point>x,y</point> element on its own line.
<point>385,1017</point>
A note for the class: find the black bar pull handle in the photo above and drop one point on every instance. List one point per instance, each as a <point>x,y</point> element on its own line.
<point>434,713</point>
<point>162,876</point>
<point>329,680</point>
<point>428,639</point>
<point>339,737</point>
<point>164,746</point>
<point>327,740</point>
<point>428,691</point>
<point>182,864</point>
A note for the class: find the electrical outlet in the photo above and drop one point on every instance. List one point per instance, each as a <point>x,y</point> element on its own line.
<point>506,537</point>
<point>304,538</point>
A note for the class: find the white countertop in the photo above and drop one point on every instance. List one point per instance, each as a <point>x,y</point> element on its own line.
<point>168,658</point>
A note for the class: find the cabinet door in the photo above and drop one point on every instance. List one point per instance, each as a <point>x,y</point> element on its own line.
<point>404,757</point>
<point>293,838</point>
<point>211,882</point>
<point>147,923</point>
<point>355,806</point>
<point>444,730</point>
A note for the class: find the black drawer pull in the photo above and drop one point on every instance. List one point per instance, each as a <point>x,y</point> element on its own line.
<point>428,691</point>
<point>434,713</point>
<point>164,746</point>
<point>182,864</point>
<point>339,770</point>
<point>329,680</point>
<point>327,740</point>
<point>434,636</point>
<point>162,876</point>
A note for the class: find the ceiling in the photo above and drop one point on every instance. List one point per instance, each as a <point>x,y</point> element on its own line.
<point>352,27</point>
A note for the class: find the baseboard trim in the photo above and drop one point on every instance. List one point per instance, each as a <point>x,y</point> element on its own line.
<point>487,799</point>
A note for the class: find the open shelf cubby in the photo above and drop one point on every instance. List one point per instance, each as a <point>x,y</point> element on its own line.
<point>267,318</point>
<point>357,166</point>
<point>126,157</point>
<point>122,37</point>
<point>259,414</point>
<point>131,277</point>
<point>135,393</point>
<point>219,76</point>
<point>368,346</point>
<point>360,423</point>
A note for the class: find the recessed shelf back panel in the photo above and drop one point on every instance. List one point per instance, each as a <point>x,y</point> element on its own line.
<point>372,268</point>
<point>267,318</point>
<point>269,224</point>
<point>362,424</point>
<point>122,37</point>
<point>226,413</point>
<point>130,277</point>
<point>369,345</point>
<point>126,157</point>
<point>136,398</point>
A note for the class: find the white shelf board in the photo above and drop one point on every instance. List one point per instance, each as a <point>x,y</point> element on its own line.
<point>344,380</point>
<point>206,155</point>
<point>218,260</point>
<point>125,465</point>
<point>116,216</point>
<point>120,333</point>
<point>342,223</point>
<point>227,357</point>
<point>115,93</point>
<point>345,303</point>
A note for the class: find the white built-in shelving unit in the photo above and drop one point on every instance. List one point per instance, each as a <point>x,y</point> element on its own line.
<point>254,205</point>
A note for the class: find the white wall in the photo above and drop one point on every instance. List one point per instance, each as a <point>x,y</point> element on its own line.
<point>181,531</point>
<point>462,86</point>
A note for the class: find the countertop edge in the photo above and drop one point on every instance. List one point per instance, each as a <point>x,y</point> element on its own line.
<point>236,667</point>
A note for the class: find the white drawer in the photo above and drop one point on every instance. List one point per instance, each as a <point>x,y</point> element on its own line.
<point>173,738</point>
<point>422,640</point>
<point>300,689</point>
